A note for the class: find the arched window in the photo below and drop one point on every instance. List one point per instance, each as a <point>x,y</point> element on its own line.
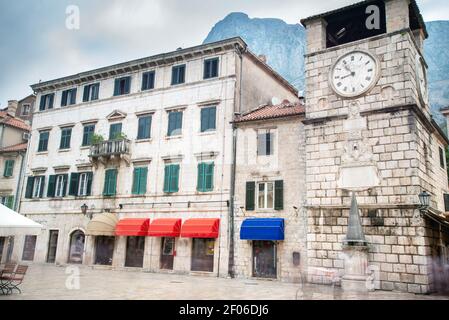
<point>76,247</point>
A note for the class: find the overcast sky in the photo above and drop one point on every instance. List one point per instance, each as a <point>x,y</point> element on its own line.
<point>36,45</point>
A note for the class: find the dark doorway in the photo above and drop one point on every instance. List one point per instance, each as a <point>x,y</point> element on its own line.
<point>264,259</point>
<point>2,245</point>
<point>203,255</point>
<point>29,248</point>
<point>76,247</point>
<point>135,248</point>
<point>52,246</point>
<point>167,253</point>
<point>104,250</point>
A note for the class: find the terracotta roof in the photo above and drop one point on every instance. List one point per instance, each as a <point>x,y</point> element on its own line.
<point>16,147</point>
<point>285,109</point>
<point>8,120</point>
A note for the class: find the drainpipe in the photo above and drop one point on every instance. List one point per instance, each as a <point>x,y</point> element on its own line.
<point>19,183</point>
<point>233,170</point>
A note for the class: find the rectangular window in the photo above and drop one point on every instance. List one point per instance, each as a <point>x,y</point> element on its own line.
<point>178,74</point>
<point>43,141</point>
<point>115,131</point>
<point>61,185</point>
<point>265,142</point>
<point>38,187</point>
<point>26,109</point>
<point>442,158</point>
<point>47,101</point>
<point>29,248</point>
<point>208,116</point>
<point>82,184</point>
<point>110,182</point>
<point>66,135</point>
<point>148,80</point>
<point>7,201</point>
<point>205,177</point>
<point>446,202</point>
<point>122,86</point>
<point>68,97</point>
<point>91,92</point>
<point>144,128</point>
<point>140,180</point>
<point>171,178</point>
<point>88,132</point>
<point>265,195</point>
<point>9,168</point>
<point>174,123</point>
<point>210,68</point>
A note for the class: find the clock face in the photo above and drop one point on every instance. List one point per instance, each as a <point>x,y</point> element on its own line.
<point>354,73</point>
<point>421,79</point>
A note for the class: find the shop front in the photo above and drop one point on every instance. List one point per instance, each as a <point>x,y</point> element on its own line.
<point>263,233</point>
<point>167,230</point>
<point>135,229</point>
<point>102,229</point>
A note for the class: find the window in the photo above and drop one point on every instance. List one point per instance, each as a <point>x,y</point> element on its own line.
<point>208,119</point>
<point>205,177</point>
<point>110,182</point>
<point>88,132</point>
<point>269,195</point>
<point>167,253</point>
<point>174,123</point>
<point>38,186</point>
<point>148,80</point>
<point>446,202</point>
<point>178,74</point>
<point>265,142</point>
<point>104,250</point>
<point>9,168</point>
<point>7,201</point>
<point>66,134</point>
<point>91,92</point>
<point>442,158</point>
<point>122,86</point>
<point>68,97</point>
<point>47,101</point>
<point>171,178</point>
<point>76,247</point>
<point>140,180</point>
<point>265,195</point>
<point>26,109</point>
<point>210,68</point>
<point>144,129</point>
<point>61,183</point>
<point>52,246</point>
<point>115,131</point>
<point>80,184</point>
<point>29,248</point>
<point>43,141</point>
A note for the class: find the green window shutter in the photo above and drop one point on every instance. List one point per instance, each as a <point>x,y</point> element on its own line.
<point>10,202</point>
<point>110,182</point>
<point>51,186</point>
<point>64,98</point>
<point>167,178</point>
<point>86,93</point>
<point>9,168</point>
<point>116,87</point>
<point>200,180</point>
<point>136,181</point>
<point>174,185</point>
<point>29,188</point>
<point>279,195</point>
<point>143,180</point>
<point>89,183</point>
<point>250,195</point>
<point>73,185</point>
<point>209,177</point>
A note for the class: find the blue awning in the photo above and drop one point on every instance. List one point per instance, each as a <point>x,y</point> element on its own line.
<point>262,229</point>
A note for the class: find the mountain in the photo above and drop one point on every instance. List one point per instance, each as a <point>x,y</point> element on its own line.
<point>284,46</point>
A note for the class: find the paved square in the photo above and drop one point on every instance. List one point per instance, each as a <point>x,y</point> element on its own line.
<point>49,282</point>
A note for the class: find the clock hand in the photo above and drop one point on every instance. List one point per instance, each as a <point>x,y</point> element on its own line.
<point>351,74</point>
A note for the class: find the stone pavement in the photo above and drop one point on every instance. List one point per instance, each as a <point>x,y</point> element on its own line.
<point>50,282</point>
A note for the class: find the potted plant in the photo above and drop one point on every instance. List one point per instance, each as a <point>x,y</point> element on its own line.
<point>97,138</point>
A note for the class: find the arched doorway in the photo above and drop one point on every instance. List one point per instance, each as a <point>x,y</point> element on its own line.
<point>76,248</point>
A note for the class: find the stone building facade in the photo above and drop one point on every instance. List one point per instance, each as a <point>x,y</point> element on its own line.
<point>146,139</point>
<point>389,126</point>
<point>270,185</point>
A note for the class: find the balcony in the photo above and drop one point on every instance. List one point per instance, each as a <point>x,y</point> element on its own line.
<point>110,150</point>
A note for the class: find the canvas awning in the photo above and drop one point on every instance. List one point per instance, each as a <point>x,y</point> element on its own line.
<point>262,229</point>
<point>102,225</point>
<point>165,228</point>
<point>14,224</point>
<point>200,228</point>
<point>132,227</point>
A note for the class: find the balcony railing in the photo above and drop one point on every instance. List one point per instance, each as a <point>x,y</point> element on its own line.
<point>110,148</point>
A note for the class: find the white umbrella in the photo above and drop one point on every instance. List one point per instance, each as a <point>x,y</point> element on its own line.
<point>13,224</point>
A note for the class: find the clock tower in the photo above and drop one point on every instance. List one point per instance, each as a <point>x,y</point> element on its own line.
<point>369,132</point>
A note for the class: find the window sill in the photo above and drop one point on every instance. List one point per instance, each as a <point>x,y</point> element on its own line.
<point>42,153</point>
<point>208,133</point>
<point>179,136</point>
<point>85,147</point>
<point>64,150</point>
<point>143,140</point>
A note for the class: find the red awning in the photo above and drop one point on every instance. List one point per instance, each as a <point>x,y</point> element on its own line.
<point>200,228</point>
<point>165,228</point>
<point>132,227</point>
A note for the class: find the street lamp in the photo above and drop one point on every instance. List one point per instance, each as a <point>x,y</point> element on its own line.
<point>424,198</point>
<point>84,208</point>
